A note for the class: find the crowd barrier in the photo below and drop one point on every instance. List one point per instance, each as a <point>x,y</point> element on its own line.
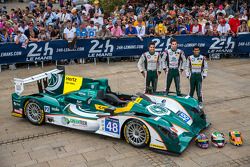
<point>122,47</point>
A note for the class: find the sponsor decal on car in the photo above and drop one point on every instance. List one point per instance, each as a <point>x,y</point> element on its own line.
<point>158,109</point>
<point>112,125</point>
<point>47,109</point>
<point>82,93</point>
<point>157,146</point>
<point>100,107</point>
<point>72,83</point>
<point>75,122</point>
<point>65,121</point>
<point>183,116</point>
<point>55,109</point>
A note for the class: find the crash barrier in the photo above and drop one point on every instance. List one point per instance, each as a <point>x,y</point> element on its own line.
<point>122,47</point>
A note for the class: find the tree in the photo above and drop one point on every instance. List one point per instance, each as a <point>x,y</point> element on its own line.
<point>109,5</point>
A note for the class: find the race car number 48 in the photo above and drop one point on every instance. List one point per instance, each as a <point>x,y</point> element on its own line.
<point>112,125</point>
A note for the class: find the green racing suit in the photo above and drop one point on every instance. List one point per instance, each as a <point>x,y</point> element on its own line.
<point>173,61</point>
<point>151,66</point>
<point>196,71</point>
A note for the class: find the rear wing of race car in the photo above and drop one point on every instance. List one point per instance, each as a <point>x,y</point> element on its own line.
<point>40,78</point>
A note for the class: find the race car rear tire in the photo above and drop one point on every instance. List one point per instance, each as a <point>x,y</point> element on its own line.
<point>136,133</point>
<point>34,112</point>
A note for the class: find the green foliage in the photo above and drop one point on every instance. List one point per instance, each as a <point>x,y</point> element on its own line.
<point>109,5</point>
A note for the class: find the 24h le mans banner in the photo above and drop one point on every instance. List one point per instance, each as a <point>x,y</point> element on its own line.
<point>122,47</point>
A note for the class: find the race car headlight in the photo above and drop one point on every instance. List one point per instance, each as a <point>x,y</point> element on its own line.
<point>167,132</point>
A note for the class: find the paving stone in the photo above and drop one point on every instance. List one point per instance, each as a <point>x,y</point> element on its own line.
<point>43,155</point>
<point>42,164</point>
<point>101,153</point>
<point>235,152</point>
<point>129,162</point>
<point>132,153</point>
<point>98,162</point>
<point>14,147</point>
<point>68,161</point>
<point>235,162</point>
<point>36,144</point>
<point>123,148</point>
<point>115,157</point>
<point>59,149</point>
<point>215,158</point>
<point>197,152</point>
<point>13,160</point>
<point>40,147</point>
<point>26,163</point>
<point>59,143</point>
<point>79,146</point>
<point>81,164</point>
<point>66,154</point>
<point>4,153</point>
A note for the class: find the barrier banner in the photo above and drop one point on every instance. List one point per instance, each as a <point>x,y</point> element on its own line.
<point>122,47</point>
<point>243,44</point>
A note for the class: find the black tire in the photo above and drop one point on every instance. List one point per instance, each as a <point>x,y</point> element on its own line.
<point>34,112</point>
<point>136,133</point>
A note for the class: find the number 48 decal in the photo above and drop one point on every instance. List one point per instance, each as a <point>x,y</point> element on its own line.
<point>112,125</point>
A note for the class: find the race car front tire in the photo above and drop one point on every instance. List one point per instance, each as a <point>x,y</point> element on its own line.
<point>34,112</point>
<point>136,133</point>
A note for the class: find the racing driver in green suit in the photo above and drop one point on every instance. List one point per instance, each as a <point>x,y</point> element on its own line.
<point>196,71</point>
<point>173,62</point>
<point>150,67</point>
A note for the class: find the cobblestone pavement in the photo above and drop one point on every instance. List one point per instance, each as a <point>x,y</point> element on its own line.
<point>227,97</point>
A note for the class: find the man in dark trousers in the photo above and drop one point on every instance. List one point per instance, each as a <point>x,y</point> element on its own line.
<point>150,67</point>
<point>196,71</point>
<point>173,62</point>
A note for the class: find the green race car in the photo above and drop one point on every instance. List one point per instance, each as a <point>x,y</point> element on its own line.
<point>165,123</point>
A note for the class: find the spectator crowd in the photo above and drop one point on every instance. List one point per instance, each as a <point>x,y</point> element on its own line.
<point>41,21</point>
